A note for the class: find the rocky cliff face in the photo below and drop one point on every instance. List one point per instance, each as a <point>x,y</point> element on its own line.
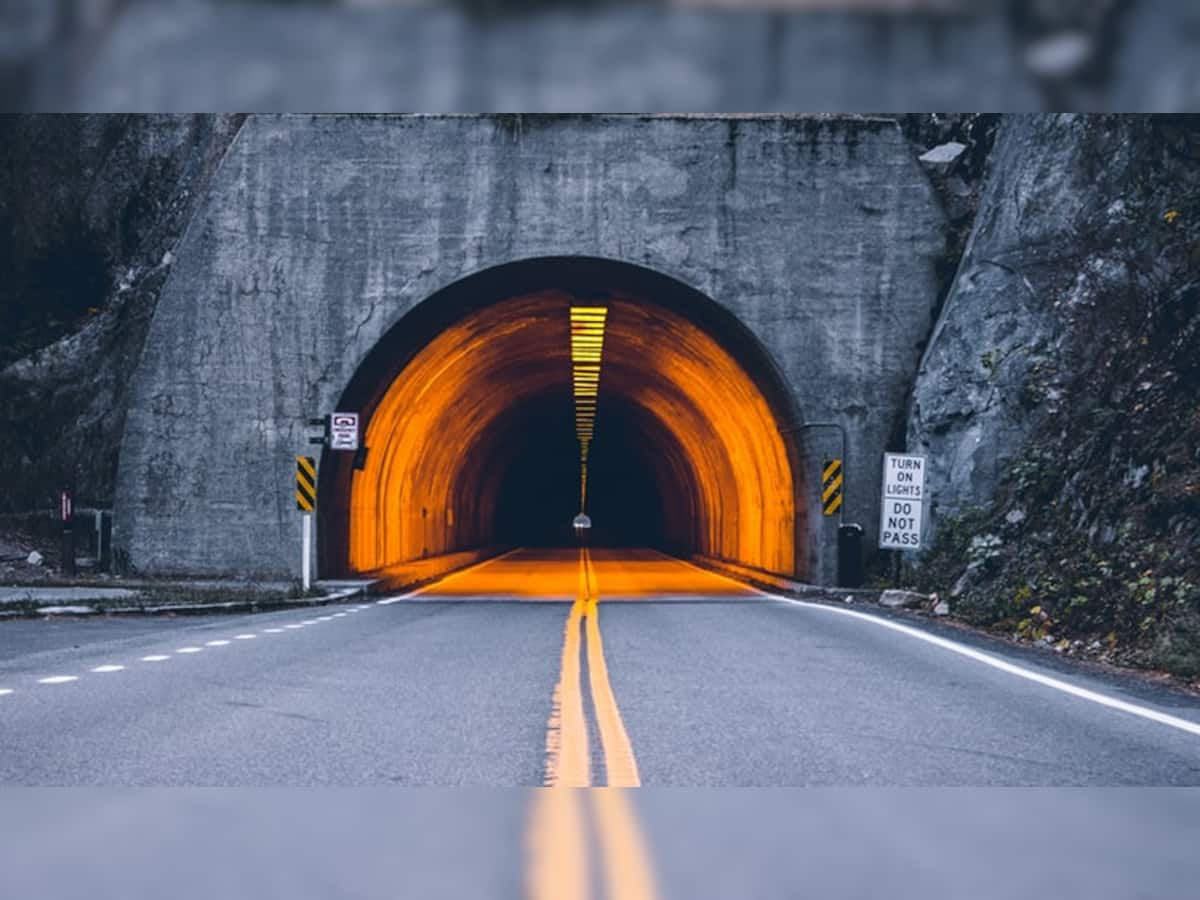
<point>1002,322</point>
<point>1058,399</point>
<point>94,206</point>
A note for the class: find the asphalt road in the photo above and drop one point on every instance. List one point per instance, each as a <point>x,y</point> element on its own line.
<point>715,685</point>
<point>509,672</point>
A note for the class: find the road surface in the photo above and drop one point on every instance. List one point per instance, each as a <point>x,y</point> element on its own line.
<point>622,668</point>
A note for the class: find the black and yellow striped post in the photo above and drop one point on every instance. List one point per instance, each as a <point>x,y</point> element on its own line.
<point>306,502</point>
<point>831,487</point>
<point>306,483</point>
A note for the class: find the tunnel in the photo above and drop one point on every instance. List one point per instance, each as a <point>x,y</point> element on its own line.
<point>469,425</point>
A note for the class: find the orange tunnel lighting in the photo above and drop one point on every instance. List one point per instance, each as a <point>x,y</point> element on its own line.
<point>587,347</point>
<point>475,403</point>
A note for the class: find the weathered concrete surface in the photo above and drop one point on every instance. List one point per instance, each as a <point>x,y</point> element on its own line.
<point>321,233</point>
<point>1052,233</point>
<point>58,595</point>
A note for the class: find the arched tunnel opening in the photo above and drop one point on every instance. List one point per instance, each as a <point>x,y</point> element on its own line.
<point>469,424</point>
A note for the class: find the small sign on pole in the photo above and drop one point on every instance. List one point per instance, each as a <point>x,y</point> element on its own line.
<point>344,431</point>
<point>903,505</point>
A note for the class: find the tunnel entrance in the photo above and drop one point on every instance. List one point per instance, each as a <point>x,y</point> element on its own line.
<point>471,446</point>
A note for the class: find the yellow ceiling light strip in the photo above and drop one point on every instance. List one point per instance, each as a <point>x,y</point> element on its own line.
<point>587,349</point>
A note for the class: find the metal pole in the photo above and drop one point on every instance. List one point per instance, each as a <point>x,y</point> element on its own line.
<point>66,512</point>
<point>306,553</point>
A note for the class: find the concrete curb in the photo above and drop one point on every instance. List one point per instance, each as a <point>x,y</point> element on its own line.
<point>233,606</point>
<point>891,599</point>
<point>768,582</point>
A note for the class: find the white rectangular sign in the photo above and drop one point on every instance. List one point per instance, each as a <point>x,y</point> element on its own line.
<point>343,431</point>
<point>903,502</point>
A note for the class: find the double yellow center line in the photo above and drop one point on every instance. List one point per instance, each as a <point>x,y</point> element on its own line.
<point>568,755</point>
<point>558,845</point>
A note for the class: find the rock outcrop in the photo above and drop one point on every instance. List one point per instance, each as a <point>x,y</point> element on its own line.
<point>1057,400</point>
<point>1046,241</point>
<point>95,205</point>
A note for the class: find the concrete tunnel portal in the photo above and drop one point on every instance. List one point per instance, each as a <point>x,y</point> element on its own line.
<point>467,417</point>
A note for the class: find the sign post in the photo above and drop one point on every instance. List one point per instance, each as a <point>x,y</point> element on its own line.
<point>306,502</point>
<point>66,515</point>
<point>306,553</point>
<point>903,507</point>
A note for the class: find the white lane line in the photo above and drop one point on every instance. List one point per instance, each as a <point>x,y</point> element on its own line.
<point>272,631</point>
<point>339,615</point>
<point>987,659</point>
<point>388,601</point>
<point>105,669</point>
<point>245,637</point>
<point>189,649</point>
<point>293,626</point>
<point>324,618</point>
<point>5,691</point>
<point>217,644</point>
<point>155,658</point>
<point>58,679</point>
<point>309,622</point>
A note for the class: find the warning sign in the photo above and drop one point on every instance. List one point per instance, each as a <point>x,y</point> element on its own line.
<point>831,486</point>
<point>306,483</point>
<point>903,502</point>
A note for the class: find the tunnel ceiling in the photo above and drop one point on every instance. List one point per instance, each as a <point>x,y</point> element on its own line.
<point>472,444</point>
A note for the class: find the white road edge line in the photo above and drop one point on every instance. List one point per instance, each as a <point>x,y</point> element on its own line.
<point>105,669</point>
<point>272,631</point>
<point>245,637</point>
<point>390,600</point>
<point>5,691</point>
<point>58,679</point>
<point>189,649</point>
<point>155,658</point>
<point>1005,666</point>
<point>217,644</point>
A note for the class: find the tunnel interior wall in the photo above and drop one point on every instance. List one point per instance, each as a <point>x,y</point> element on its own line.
<point>473,442</point>
<point>319,234</point>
